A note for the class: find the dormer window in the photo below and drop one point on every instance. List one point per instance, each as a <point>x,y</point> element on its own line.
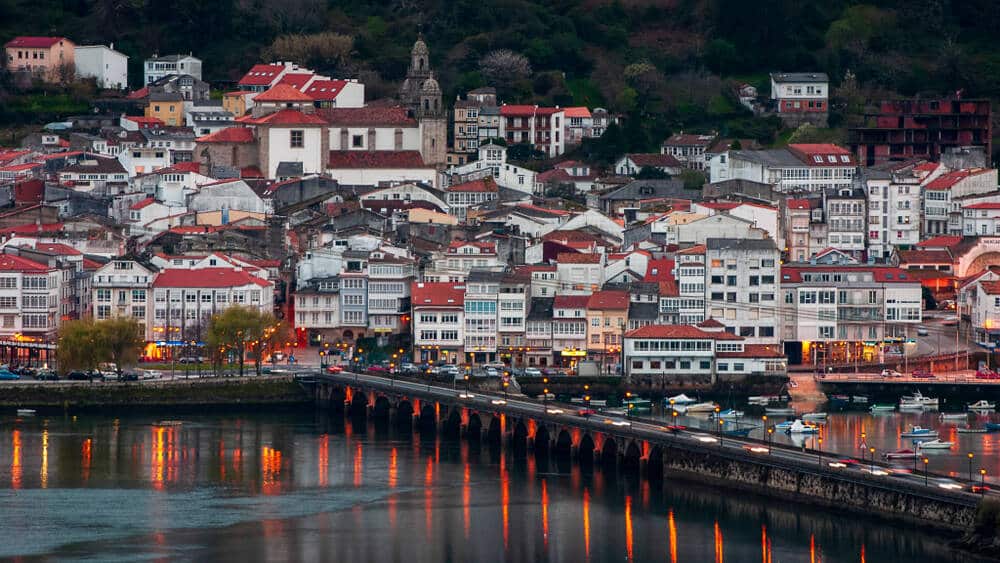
<point>818,159</point>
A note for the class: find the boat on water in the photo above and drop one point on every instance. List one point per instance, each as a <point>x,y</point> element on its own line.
<point>911,406</point>
<point>982,405</point>
<point>784,426</point>
<point>814,416</point>
<point>168,423</point>
<point>954,416</point>
<point>919,432</point>
<point>919,398</point>
<point>740,432</point>
<point>839,398</point>
<point>901,454</point>
<point>881,407</point>
<point>859,399</point>
<point>25,412</point>
<point>934,445</point>
<point>697,408</point>
<point>779,411</point>
<point>681,399</point>
<point>799,427</point>
<point>763,399</point>
<point>992,427</point>
<point>730,414</point>
<point>971,430</point>
<point>638,405</point>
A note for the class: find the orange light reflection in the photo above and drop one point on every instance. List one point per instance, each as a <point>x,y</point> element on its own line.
<point>628,527</point>
<point>15,462</point>
<point>672,528</point>
<point>718,543</point>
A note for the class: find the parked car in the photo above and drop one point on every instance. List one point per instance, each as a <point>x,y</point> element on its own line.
<point>448,370</point>
<point>891,373</point>
<point>922,331</point>
<point>491,372</point>
<point>334,369</point>
<point>408,368</point>
<point>79,376</point>
<point>986,373</point>
<point>377,370</point>
<point>7,375</point>
<point>128,376</point>
<point>190,360</point>
<point>46,375</point>
<point>532,372</point>
<point>947,305</point>
<point>150,374</point>
<point>922,374</point>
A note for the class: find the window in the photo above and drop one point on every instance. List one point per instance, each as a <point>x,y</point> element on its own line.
<point>357,141</point>
<point>826,332</point>
<point>705,364</point>
<point>103,295</point>
<point>8,282</point>
<point>8,302</point>
<point>297,139</point>
<point>139,312</point>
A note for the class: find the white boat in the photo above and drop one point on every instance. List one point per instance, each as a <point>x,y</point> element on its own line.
<point>972,431</point>
<point>25,412</point>
<point>982,405</point>
<point>954,416</point>
<point>798,427</point>
<point>814,416</point>
<point>911,406</point>
<point>919,398</point>
<point>934,445</point>
<point>786,425</point>
<point>859,399</point>
<point>919,432</point>
<point>681,399</point>
<point>901,454</point>
<point>730,414</point>
<point>698,408</point>
<point>882,408</point>
<point>763,399</point>
<point>779,411</point>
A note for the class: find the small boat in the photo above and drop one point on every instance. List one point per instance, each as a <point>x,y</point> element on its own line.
<point>839,398</point>
<point>814,416</point>
<point>740,432</point>
<point>901,454</point>
<point>911,406</point>
<point>954,416</point>
<point>779,411</point>
<point>168,423</point>
<point>798,427</point>
<point>698,408</point>
<point>992,427</point>
<point>785,426</point>
<point>859,399</point>
<point>971,430</point>
<point>730,414</point>
<point>638,405</point>
<point>934,445</point>
<point>763,399</point>
<point>919,432</point>
<point>982,405</point>
<point>25,412</point>
<point>598,402</point>
<point>919,398</point>
<point>681,399</point>
<point>881,407</point>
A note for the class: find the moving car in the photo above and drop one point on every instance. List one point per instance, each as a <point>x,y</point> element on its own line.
<point>532,372</point>
<point>334,369</point>
<point>922,374</point>
<point>46,375</point>
<point>891,373</point>
<point>922,331</point>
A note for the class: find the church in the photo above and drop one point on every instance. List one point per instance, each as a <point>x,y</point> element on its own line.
<point>421,95</point>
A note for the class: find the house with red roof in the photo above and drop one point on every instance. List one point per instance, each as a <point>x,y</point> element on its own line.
<point>50,58</point>
<point>463,256</point>
<point>688,148</point>
<point>541,127</point>
<point>607,318</point>
<point>30,297</point>
<point>633,163</point>
<point>797,168</point>
<point>438,322</point>
<point>492,162</point>
<point>950,188</point>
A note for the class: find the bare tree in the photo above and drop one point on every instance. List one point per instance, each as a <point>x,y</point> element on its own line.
<point>325,50</point>
<point>504,66</point>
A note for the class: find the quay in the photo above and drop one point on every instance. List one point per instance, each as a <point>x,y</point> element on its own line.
<point>959,386</point>
<point>647,448</point>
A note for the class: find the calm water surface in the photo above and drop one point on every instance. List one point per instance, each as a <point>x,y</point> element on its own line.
<point>304,487</point>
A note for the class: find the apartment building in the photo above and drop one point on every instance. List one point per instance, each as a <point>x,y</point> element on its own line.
<point>317,310</point>
<point>943,198</point>
<point>540,127</point>
<point>482,289</point>
<point>389,280</point>
<point>607,315</point>
<point>30,294</point>
<point>438,322</point>
<point>894,208</point>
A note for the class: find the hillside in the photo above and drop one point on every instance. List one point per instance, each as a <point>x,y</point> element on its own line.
<point>669,61</point>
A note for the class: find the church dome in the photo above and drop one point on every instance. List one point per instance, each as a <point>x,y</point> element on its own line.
<point>431,86</point>
<point>419,48</point>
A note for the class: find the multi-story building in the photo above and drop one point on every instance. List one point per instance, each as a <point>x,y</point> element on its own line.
<point>538,341</point>
<point>492,163</point>
<point>512,313</point>
<point>801,97</point>
<point>489,127</point>
<point>317,311</point>
<point>921,128</point>
<point>795,168</point>
<point>465,134</point>
<point>50,58</point>
<point>30,294</point>
<point>569,329</point>
<point>607,317</point>
<point>482,288</point>
<point>540,127</point>
<point>894,219</point>
<point>579,273</point>
<point>741,287</point>
<point>464,256</point>
<point>157,67</point>
<point>847,313</point>
<point>688,149</point>
<point>942,195</point>
<point>389,280</point>
<point>981,219</point>
<point>122,288</point>
<point>438,322</point>
<point>474,193</point>
<point>354,294</point>
<point>797,231</point>
<point>846,219</point>
<point>107,67</point>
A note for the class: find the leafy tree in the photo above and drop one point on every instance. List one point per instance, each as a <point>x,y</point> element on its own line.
<point>230,331</point>
<point>119,340</point>
<point>267,335</point>
<point>693,180</point>
<point>79,345</point>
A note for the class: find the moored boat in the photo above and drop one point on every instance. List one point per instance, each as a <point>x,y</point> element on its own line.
<point>798,427</point>
<point>779,411</point>
<point>859,399</point>
<point>971,430</point>
<point>881,407</point>
<point>954,416</point>
<point>919,398</point>
<point>698,408</point>
<point>730,414</point>
<point>992,427</point>
<point>933,445</point>
<point>25,412</point>
<point>982,405</point>
<point>681,399</point>
<point>919,432</point>
<point>638,405</point>
<point>814,416</point>
<point>901,454</point>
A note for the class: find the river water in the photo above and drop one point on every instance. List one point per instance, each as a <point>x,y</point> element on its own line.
<point>282,486</point>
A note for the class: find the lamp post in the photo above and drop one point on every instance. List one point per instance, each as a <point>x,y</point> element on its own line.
<point>720,432</point>
<point>628,404</point>
<point>770,431</point>
<point>982,481</point>
<point>466,384</point>
<point>863,444</point>
<point>545,399</point>
<point>819,451</point>
<point>971,455</point>
<point>872,451</point>
<point>926,461</point>
<point>505,385</point>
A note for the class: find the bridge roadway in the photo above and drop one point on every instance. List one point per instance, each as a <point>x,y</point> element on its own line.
<point>647,433</point>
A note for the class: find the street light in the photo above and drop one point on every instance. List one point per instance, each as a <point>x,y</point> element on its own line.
<point>982,481</point>
<point>970,465</point>
<point>505,385</point>
<point>545,399</point>
<point>926,461</point>
<point>628,404</point>
<point>770,431</point>
<point>872,450</point>
<point>819,451</point>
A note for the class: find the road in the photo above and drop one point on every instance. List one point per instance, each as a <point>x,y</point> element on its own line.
<point>655,430</point>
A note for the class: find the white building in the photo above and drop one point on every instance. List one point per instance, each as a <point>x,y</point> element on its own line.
<point>121,288</point>
<point>105,65</point>
<point>795,168</point>
<point>492,161</point>
<point>943,195</point>
<point>569,329</point>
<point>157,67</point>
<point>228,195</point>
<point>389,280</point>
<point>372,168</point>
<point>579,273</point>
<point>464,256</point>
<point>29,298</point>
<point>802,93</point>
<point>438,322</point>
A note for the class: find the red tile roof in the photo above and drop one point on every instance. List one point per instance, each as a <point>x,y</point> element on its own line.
<point>577,112</point>
<point>287,117</point>
<point>375,159</point>
<point>206,277</point>
<point>696,249</point>
<point>710,323</point>
<point>12,263</point>
<point>526,110</point>
<point>229,135</point>
<point>139,94</point>
<point>143,204</point>
<point>570,302</point>
<point>577,258</point>
<point>754,351</point>
<point>946,181</point>
<point>371,115</point>
<point>261,75</point>
<point>990,287</point>
<point>142,120</point>
<point>608,300</point>
<point>925,257</point>
<point>653,160</point>
<point>282,92</point>
<point>530,207</point>
<point>943,241</point>
<point>425,294</point>
<point>33,42</point>
<point>679,331</point>
<point>20,167</point>
<point>720,205</point>
<point>295,79</point>
<point>984,205</point>
<point>486,184</point>
<point>89,264</point>
<point>822,154</point>
<point>191,166</point>
<point>325,90</point>
<point>690,140</point>
<point>33,229</point>
<point>57,248</point>
<point>881,274</point>
<point>251,172</point>
<point>486,246</point>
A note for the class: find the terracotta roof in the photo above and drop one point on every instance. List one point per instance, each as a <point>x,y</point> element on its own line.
<point>32,228</point>
<point>696,249</point>
<point>710,323</point>
<point>653,160</point>
<point>679,331</point>
<point>295,79</point>
<point>559,175</point>
<point>261,75</point>
<point>190,166</point>
<point>281,92</point>
<point>89,264</point>
<point>682,139</point>
<point>943,241</point>
<point>20,167</point>
<point>251,172</point>
<point>984,205</point>
<point>455,245</point>
<point>576,236</point>
<point>206,277</point>
<point>577,112</point>
<point>12,263</point>
<point>608,300</point>
<point>424,294</point>
<point>57,248</point>
<point>102,165</point>
<point>375,159</point>
<point>925,257</point>
<point>578,258</point>
<point>486,184</point>
<point>142,204</point>
<point>325,90</point>
<point>946,181</point>
<point>754,351</point>
<point>370,115</point>
<point>33,42</point>
<point>139,94</point>
<point>526,110</point>
<point>881,274</point>
<point>720,205</point>
<point>287,117</point>
<point>229,135</point>
<point>571,302</point>
<point>529,207</point>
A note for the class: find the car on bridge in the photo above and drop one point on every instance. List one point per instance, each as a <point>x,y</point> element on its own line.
<point>334,369</point>
<point>922,374</point>
<point>891,373</point>
<point>7,375</point>
<point>986,373</point>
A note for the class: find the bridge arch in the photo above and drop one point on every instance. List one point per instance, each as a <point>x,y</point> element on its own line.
<point>474,429</point>
<point>519,438</point>
<point>359,404</point>
<point>632,457</point>
<point>563,448</point>
<point>585,452</point>
<point>541,441</point>
<point>381,408</point>
<point>494,433</point>
<point>654,464</point>
<point>452,426</point>
<point>609,454</point>
<point>428,417</point>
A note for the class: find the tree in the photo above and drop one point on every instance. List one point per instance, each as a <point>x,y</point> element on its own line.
<point>230,331</point>
<point>266,336</point>
<point>693,180</point>
<point>78,347</point>
<point>503,66</point>
<point>323,50</point>
<point>119,340</point>
<point>651,173</point>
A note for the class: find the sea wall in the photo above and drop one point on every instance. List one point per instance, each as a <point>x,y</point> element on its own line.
<point>265,390</point>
